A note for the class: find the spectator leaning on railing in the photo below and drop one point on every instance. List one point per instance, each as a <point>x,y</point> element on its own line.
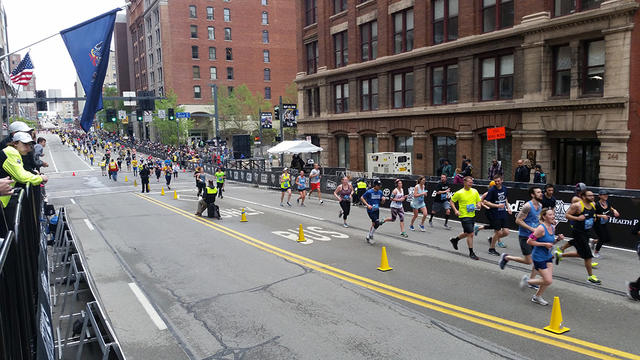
<point>12,165</point>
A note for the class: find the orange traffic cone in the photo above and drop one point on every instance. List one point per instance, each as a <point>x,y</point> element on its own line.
<point>384,263</point>
<point>74,174</point>
<point>555,325</point>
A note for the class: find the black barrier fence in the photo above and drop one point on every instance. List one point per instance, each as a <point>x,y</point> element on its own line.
<point>25,310</point>
<point>627,202</point>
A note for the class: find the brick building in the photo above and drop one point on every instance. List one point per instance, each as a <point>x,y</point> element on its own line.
<point>190,45</point>
<point>429,77</point>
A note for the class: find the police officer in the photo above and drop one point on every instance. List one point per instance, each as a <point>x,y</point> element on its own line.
<point>208,199</point>
<point>361,187</point>
<point>144,178</point>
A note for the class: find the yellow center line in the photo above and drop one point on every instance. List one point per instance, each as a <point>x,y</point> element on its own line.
<point>495,322</point>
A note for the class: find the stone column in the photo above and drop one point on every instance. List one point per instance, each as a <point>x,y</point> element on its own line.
<point>328,155</point>
<point>466,80</point>
<point>533,72</point>
<point>613,157</point>
<point>353,95</point>
<point>419,79</point>
<point>419,158</point>
<point>383,91</point>
<point>356,152</point>
<point>384,142</point>
<point>464,146</point>
<point>575,70</point>
<point>533,140</point>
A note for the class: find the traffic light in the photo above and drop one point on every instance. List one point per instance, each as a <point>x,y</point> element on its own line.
<point>111,115</point>
<point>41,105</point>
<point>276,112</point>
<point>172,115</point>
<point>278,139</point>
<point>256,139</point>
<point>139,114</point>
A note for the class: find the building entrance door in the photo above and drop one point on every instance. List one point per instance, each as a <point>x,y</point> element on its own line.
<point>578,161</point>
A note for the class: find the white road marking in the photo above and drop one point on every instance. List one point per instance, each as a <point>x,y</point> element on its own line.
<point>276,208</point>
<point>82,160</point>
<point>53,162</point>
<point>148,307</point>
<point>73,202</point>
<point>89,225</point>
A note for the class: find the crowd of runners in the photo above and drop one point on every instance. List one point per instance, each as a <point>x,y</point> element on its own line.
<point>540,246</point>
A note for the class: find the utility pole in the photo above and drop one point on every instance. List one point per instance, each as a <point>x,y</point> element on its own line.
<point>281,129</point>
<point>215,116</point>
<point>260,130</point>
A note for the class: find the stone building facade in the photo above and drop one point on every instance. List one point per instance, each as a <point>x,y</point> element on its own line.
<point>430,77</point>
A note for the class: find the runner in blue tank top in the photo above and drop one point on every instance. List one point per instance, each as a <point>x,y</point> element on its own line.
<point>527,220</point>
<point>301,183</point>
<point>371,200</point>
<point>542,240</point>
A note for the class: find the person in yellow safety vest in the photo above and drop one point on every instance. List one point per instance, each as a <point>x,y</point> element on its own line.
<point>113,170</point>
<point>361,187</point>
<point>134,164</point>
<point>91,156</point>
<point>12,166</point>
<point>208,197</point>
<point>285,186</point>
<point>103,165</point>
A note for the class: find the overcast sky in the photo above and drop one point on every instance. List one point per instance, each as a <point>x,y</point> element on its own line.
<point>31,20</point>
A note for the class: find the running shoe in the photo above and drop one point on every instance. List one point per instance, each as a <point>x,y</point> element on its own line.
<point>592,244</point>
<point>288,203</point>
<point>321,202</point>
<point>281,204</point>
<point>340,214</point>
<point>298,201</point>
<point>558,256</point>
<point>404,234</point>
<point>345,225</point>
<point>370,240</point>
<point>596,255</point>
<point>628,287</point>
<point>494,252</point>
<point>594,280</point>
<point>594,265</point>
<point>454,242</point>
<point>503,261</point>
<point>539,300</point>
<point>534,287</point>
<point>303,205</point>
<point>474,256</point>
<point>422,228</point>
<point>446,226</point>
<point>476,229</point>
<point>524,281</point>
<point>430,223</point>
<point>412,228</point>
<point>501,244</point>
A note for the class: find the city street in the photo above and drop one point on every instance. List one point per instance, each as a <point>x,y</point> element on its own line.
<point>227,289</point>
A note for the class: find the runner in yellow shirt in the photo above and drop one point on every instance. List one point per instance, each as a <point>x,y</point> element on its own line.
<point>469,201</point>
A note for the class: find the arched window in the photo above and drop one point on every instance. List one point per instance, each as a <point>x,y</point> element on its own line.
<point>265,18</point>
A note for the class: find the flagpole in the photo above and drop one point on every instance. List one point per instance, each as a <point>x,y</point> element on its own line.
<point>6,97</point>
<point>37,42</point>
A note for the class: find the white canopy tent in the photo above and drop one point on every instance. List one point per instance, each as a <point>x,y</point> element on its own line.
<point>294,147</point>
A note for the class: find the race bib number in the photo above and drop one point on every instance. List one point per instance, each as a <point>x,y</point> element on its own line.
<point>443,196</point>
<point>471,207</point>
<point>375,207</point>
<point>603,221</point>
<point>346,197</point>
<point>588,224</point>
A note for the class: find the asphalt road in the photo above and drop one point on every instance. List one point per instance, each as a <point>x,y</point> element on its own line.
<point>231,289</point>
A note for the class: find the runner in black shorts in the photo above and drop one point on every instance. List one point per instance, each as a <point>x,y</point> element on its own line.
<point>441,201</point>
<point>499,207</point>
<point>583,215</point>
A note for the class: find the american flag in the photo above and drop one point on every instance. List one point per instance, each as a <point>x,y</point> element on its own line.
<point>22,74</point>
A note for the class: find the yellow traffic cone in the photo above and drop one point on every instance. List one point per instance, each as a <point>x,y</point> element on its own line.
<point>384,263</point>
<point>301,234</point>
<point>175,195</point>
<point>162,191</point>
<point>125,179</point>
<point>243,217</point>
<point>555,325</point>
<point>135,182</point>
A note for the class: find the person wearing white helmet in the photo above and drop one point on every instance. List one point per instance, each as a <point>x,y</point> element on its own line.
<point>13,166</point>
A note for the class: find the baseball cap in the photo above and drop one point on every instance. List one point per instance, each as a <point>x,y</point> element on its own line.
<point>581,187</point>
<point>285,169</point>
<point>19,126</point>
<point>492,183</point>
<point>377,183</point>
<point>22,137</point>
<point>603,192</point>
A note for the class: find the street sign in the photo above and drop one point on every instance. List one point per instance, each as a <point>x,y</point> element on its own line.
<point>125,120</point>
<point>161,114</point>
<point>266,120</point>
<point>183,115</point>
<point>257,143</point>
<point>288,115</point>
<point>496,133</point>
<point>148,117</point>
<point>129,94</point>
<point>122,114</point>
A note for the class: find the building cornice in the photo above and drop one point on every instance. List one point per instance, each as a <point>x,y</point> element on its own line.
<point>470,108</point>
<point>531,27</point>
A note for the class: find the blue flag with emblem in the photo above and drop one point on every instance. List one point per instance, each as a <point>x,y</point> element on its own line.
<point>89,44</point>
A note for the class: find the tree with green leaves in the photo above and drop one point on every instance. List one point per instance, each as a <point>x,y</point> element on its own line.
<point>166,129</point>
<point>110,104</point>
<point>238,111</point>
